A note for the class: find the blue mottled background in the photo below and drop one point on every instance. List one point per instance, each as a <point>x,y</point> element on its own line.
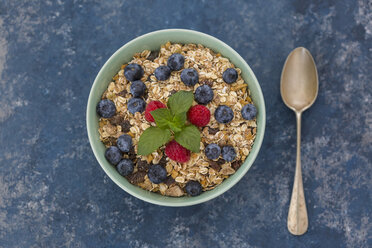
<point>53,193</point>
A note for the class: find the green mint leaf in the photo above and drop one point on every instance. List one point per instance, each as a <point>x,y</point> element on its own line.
<point>162,117</point>
<point>180,102</point>
<point>179,119</point>
<point>174,127</point>
<point>178,122</point>
<point>189,138</point>
<point>151,139</point>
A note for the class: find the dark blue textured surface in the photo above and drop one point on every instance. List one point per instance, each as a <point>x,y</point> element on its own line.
<point>53,192</point>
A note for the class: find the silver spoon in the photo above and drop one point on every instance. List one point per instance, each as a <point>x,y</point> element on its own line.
<point>299,89</point>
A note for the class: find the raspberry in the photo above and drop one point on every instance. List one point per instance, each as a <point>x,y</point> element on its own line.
<point>177,152</point>
<point>199,115</point>
<point>151,107</point>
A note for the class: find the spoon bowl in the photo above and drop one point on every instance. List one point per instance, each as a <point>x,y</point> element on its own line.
<point>299,81</point>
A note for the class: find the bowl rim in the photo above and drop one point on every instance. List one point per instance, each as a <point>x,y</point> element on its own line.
<point>190,200</point>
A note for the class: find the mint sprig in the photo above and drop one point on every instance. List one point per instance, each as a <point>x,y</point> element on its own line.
<point>170,121</point>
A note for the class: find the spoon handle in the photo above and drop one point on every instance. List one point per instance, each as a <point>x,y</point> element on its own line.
<point>297,216</point>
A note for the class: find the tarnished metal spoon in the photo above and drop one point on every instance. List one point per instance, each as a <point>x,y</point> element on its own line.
<point>299,89</point>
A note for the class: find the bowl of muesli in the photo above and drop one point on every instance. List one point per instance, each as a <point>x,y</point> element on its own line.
<point>175,117</point>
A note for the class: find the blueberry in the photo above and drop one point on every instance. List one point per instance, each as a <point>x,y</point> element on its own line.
<point>113,155</point>
<point>189,77</point>
<point>223,114</point>
<point>193,188</point>
<point>162,73</point>
<point>176,61</point>
<point>136,105</point>
<point>106,108</point>
<point>249,111</point>
<point>212,151</point>
<point>125,167</point>
<point>157,173</point>
<point>203,94</point>
<point>133,72</point>
<point>137,88</point>
<point>228,153</point>
<point>230,75</point>
<point>124,143</point>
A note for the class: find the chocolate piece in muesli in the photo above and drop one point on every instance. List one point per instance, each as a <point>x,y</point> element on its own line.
<point>206,68</point>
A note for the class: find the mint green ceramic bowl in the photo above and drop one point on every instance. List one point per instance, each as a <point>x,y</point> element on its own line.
<point>152,41</point>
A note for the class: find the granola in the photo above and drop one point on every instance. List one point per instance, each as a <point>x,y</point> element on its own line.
<point>239,133</point>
